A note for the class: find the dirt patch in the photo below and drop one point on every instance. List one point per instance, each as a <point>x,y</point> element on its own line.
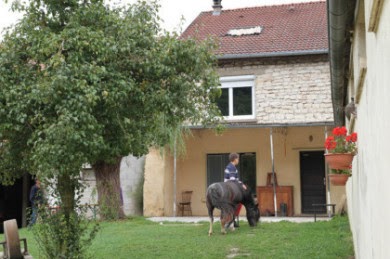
<point>234,252</point>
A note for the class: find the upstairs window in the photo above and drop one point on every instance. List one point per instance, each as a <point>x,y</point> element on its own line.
<point>237,99</point>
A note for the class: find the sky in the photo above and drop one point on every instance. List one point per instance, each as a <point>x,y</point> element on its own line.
<point>171,10</point>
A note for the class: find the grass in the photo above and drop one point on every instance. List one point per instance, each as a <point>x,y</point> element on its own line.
<point>139,238</point>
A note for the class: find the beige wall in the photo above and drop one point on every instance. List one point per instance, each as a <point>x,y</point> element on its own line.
<point>367,190</point>
<point>158,184</point>
<point>191,168</point>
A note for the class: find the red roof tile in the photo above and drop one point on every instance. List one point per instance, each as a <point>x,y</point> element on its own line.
<point>285,28</point>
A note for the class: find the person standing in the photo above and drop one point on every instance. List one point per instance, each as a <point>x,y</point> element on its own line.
<point>36,200</point>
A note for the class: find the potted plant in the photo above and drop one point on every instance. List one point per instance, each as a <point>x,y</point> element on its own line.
<point>339,177</point>
<point>340,148</point>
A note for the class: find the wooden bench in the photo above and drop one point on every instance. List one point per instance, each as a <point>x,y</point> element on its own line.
<point>315,206</point>
<point>11,245</point>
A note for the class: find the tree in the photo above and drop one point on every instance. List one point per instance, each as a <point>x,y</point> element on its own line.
<point>82,82</point>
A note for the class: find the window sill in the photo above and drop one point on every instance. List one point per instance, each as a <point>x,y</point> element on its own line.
<point>244,120</point>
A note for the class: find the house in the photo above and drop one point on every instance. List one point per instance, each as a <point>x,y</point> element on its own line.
<point>276,101</point>
<point>360,65</point>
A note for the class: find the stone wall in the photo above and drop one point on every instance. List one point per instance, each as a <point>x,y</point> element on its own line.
<point>288,90</point>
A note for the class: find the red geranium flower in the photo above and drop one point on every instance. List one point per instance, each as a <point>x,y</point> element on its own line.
<point>330,143</point>
<point>354,137</point>
<point>340,142</point>
<point>351,138</point>
<point>340,131</point>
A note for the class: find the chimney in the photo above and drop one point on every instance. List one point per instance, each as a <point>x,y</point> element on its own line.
<point>217,7</point>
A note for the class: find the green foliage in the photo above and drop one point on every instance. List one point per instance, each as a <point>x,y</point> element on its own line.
<point>62,233</point>
<point>341,171</point>
<point>60,237</point>
<point>82,82</point>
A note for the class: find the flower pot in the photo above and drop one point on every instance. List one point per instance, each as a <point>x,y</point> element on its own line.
<point>339,161</point>
<point>339,179</point>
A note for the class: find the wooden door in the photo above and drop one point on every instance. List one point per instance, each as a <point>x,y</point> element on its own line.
<point>313,189</point>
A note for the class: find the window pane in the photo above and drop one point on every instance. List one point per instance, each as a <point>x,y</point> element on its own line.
<point>223,102</point>
<point>242,101</point>
<point>216,165</point>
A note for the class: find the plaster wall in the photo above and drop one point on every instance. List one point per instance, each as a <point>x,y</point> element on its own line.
<point>192,171</point>
<point>131,176</point>
<point>368,189</point>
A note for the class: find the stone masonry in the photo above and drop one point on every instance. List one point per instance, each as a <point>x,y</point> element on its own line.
<point>293,90</point>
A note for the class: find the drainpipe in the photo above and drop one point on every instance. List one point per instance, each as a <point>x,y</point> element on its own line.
<point>327,178</point>
<point>340,19</point>
<point>273,172</point>
<point>174,176</point>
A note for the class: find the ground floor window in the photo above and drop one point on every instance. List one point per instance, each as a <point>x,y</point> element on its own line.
<point>216,164</point>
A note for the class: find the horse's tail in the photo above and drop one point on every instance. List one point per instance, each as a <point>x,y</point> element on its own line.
<point>213,196</point>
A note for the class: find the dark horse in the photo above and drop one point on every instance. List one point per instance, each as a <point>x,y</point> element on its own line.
<point>226,196</point>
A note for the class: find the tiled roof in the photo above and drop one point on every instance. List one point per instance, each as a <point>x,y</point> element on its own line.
<point>298,27</point>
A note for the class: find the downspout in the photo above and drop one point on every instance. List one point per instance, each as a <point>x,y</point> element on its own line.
<point>174,176</point>
<point>340,14</point>
<point>273,171</point>
<point>327,177</point>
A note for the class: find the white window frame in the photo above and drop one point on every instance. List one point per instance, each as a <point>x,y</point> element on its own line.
<point>231,82</point>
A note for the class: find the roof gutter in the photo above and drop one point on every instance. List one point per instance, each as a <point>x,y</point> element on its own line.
<point>267,125</point>
<point>273,54</point>
<point>340,21</point>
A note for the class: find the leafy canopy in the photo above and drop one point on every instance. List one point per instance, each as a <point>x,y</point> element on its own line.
<point>82,82</point>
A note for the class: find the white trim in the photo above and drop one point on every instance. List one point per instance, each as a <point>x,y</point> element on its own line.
<point>237,78</point>
<point>230,82</point>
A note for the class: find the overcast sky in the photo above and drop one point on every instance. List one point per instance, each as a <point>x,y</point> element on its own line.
<point>171,10</point>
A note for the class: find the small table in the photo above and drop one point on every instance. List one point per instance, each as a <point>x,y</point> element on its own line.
<point>315,206</point>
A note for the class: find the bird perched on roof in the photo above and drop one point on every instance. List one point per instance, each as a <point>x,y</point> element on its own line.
<point>350,109</point>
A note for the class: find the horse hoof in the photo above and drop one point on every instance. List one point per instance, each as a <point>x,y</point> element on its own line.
<point>210,233</point>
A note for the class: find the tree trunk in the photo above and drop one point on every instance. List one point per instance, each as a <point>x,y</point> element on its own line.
<point>109,189</point>
<point>66,189</point>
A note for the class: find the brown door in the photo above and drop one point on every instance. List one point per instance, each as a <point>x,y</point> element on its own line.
<point>313,189</point>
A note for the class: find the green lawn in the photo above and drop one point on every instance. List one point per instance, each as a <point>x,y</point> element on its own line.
<point>139,238</point>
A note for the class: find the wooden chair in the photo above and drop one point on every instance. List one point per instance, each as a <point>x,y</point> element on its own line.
<point>11,245</point>
<point>185,203</point>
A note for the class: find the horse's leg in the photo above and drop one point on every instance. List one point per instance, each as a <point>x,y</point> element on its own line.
<point>211,223</point>
<point>226,220</point>
<point>210,209</point>
<point>223,221</point>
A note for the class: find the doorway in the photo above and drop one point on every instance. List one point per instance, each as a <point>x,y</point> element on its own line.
<point>14,201</point>
<point>313,188</point>
<point>216,164</point>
